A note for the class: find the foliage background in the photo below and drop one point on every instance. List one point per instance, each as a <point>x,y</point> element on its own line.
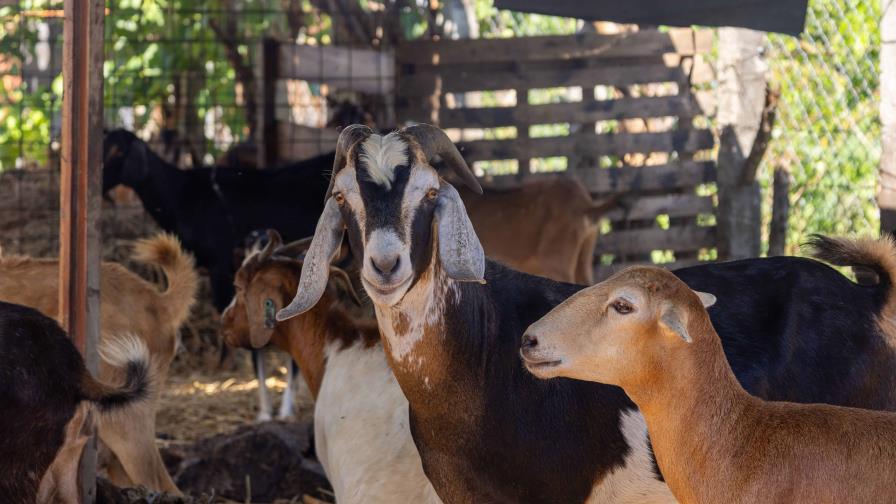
<point>178,63</point>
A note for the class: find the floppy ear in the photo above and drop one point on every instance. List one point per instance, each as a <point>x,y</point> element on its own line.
<point>316,267</point>
<point>459,249</point>
<point>673,320</point>
<point>341,279</point>
<point>706,298</point>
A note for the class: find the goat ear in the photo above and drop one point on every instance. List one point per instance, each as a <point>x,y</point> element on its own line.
<point>136,165</point>
<point>706,298</point>
<point>316,267</point>
<point>459,248</point>
<point>673,320</point>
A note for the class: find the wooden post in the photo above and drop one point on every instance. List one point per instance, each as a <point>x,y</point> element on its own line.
<point>80,187</point>
<point>886,198</point>
<point>268,136</point>
<point>777,235</point>
<point>742,92</point>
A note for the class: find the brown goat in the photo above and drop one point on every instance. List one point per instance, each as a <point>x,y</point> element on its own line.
<point>362,436</point>
<point>646,331</point>
<point>544,227</point>
<point>128,305</point>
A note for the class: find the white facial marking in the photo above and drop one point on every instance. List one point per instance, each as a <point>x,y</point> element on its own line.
<point>385,244</point>
<point>380,155</point>
<point>635,482</point>
<point>361,431</point>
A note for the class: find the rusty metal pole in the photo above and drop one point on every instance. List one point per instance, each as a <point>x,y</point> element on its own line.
<point>79,193</point>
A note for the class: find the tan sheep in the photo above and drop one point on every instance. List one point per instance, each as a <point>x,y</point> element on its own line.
<point>646,331</point>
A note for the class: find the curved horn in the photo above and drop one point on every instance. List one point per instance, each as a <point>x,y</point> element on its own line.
<point>295,249</point>
<point>433,141</point>
<point>274,241</point>
<point>350,136</point>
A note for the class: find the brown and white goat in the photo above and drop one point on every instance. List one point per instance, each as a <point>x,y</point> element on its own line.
<point>48,397</point>
<point>362,435</point>
<point>128,305</point>
<point>646,331</point>
<point>544,227</point>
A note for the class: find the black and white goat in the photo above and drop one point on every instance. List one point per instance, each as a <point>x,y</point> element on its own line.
<point>451,323</point>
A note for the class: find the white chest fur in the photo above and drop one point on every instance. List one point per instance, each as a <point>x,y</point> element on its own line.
<point>633,483</point>
<point>362,434</point>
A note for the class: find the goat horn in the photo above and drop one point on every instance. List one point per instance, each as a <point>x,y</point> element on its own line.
<point>295,248</point>
<point>274,241</point>
<point>433,141</point>
<point>350,136</point>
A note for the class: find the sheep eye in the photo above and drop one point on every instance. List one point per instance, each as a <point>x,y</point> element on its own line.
<point>622,307</point>
<point>340,199</point>
<point>432,194</point>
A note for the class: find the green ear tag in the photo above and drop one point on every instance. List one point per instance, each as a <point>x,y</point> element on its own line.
<point>270,313</point>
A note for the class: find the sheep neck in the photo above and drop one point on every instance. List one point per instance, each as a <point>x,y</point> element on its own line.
<point>694,407</point>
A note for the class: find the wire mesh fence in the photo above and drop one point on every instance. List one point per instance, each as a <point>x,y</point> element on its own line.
<point>828,129</point>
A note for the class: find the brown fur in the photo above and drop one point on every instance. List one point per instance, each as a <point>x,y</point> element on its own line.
<point>713,441</point>
<point>545,227</point>
<point>59,484</point>
<point>128,304</point>
<point>304,337</point>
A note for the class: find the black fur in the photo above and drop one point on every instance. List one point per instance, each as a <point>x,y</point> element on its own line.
<point>794,329</point>
<point>213,218</point>
<point>42,381</point>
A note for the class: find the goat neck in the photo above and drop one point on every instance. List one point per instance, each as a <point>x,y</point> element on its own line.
<point>424,336</point>
<point>159,191</point>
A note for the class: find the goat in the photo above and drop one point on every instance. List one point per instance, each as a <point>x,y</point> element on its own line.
<point>128,304</point>
<point>451,323</point>
<point>43,393</point>
<point>257,241</point>
<point>546,227</point>
<point>360,415</point>
<point>649,333</point>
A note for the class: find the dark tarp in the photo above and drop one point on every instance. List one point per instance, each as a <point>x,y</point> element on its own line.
<point>783,16</point>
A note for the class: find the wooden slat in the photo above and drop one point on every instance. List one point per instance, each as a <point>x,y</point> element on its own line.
<point>683,41</point>
<point>671,176</point>
<point>673,205</point>
<point>602,272</point>
<point>481,78</point>
<point>615,144</point>
<point>363,70</point>
<point>575,112</point>
<point>640,241</point>
<point>299,142</point>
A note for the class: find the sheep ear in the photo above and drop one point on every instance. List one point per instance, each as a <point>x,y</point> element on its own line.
<point>673,321</point>
<point>316,267</point>
<point>706,298</point>
<point>459,249</point>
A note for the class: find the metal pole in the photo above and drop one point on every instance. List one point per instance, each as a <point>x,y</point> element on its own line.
<point>79,191</point>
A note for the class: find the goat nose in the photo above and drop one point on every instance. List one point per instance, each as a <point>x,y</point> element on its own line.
<point>385,265</point>
<point>529,342</point>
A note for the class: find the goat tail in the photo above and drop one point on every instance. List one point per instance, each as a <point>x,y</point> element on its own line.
<point>165,251</point>
<point>131,355</point>
<point>872,260</point>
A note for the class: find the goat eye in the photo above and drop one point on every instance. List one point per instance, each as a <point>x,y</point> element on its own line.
<point>340,199</point>
<point>622,307</point>
<point>432,194</point>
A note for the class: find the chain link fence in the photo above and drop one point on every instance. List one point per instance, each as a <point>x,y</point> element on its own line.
<point>827,132</point>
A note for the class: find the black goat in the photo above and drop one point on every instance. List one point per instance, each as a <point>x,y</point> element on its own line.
<point>43,382</point>
<point>212,209</point>
<point>451,323</point>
